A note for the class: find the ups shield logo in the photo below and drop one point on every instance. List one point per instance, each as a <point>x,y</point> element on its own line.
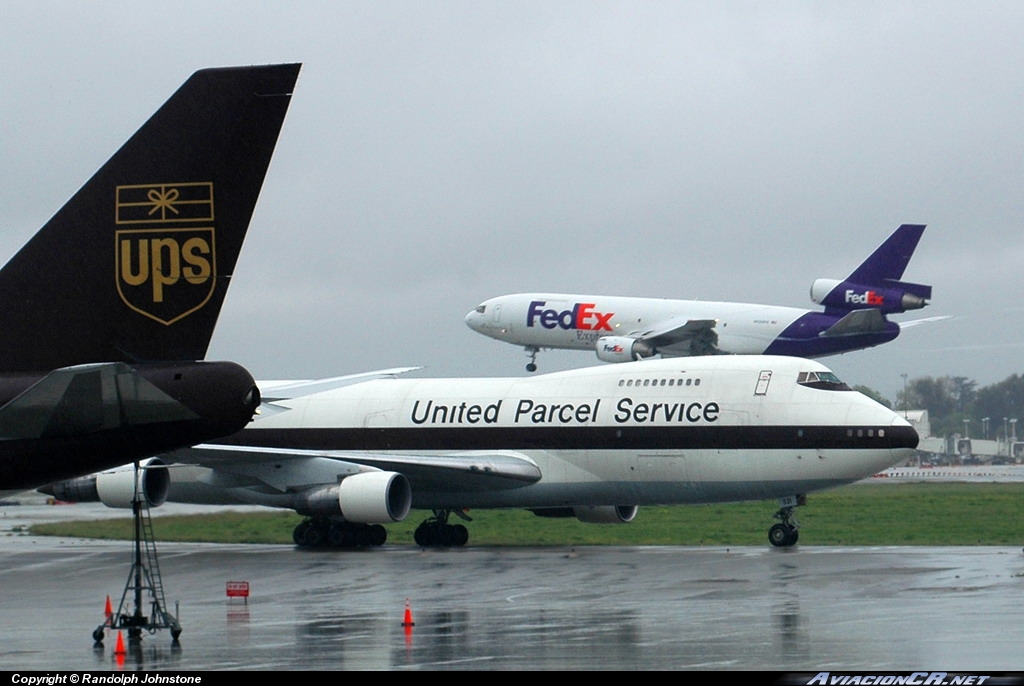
<point>166,262</point>
<point>166,274</point>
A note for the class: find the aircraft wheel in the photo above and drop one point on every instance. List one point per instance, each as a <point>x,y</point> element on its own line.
<point>377,535</point>
<point>340,536</point>
<point>299,533</point>
<point>531,367</point>
<point>460,535</point>
<point>422,536</point>
<point>363,535</point>
<point>779,535</point>
<point>443,536</point>
<point>314,536</point>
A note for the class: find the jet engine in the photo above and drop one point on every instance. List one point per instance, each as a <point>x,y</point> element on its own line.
<point>623,349</point>
<point>592,514</point>
<point>606,514</point>
<point>117,488</point>
<point>364,498</point>
<point>894,297</point>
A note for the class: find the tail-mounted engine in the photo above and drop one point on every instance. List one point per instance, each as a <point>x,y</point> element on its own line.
<point>891,298</point>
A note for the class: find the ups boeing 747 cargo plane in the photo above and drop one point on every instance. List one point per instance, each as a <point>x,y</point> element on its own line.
<point>591,443</point>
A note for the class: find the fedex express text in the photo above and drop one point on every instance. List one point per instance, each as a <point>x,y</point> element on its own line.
<point>580,316</point>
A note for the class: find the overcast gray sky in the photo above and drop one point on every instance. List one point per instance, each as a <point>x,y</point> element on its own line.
<point>440,153</point>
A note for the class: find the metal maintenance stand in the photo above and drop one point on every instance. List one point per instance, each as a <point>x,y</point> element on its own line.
<point>144,576</point>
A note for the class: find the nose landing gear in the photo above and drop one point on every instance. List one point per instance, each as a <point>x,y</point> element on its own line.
<point>532,351</point>
<point>786,533</point>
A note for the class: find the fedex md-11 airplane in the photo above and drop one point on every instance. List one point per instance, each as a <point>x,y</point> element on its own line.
<point>623,329</point>
<point>591,443</point>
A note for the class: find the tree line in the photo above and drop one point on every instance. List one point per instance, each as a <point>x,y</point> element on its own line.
<point>950,400</point>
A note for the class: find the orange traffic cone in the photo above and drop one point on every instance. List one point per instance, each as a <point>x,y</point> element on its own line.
<point>119,646</point>
<point>408,615</point>
<point>108,611</point>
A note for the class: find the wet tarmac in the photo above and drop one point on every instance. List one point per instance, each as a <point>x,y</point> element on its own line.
<point>609,608</point>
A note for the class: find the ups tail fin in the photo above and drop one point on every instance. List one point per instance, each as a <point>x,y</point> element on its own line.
<point>135,267</point>
<point>876,284</point>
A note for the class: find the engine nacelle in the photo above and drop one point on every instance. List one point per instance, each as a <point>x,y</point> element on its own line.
<point>117,488</point>
<point>364,498</point>
<point>592,514</point>
<point>623,349</point>
<point>606,514</point>
<point>894,297</point>
<point>821,288</point>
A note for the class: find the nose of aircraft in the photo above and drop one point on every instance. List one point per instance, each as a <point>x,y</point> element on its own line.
<point>474,319</point>
<point>905,435</point>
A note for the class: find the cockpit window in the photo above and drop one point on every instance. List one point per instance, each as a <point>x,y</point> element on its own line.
<point>480,309</point>
<point>825,381</point>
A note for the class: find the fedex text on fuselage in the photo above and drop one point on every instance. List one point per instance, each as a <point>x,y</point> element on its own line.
<point>580,316</point>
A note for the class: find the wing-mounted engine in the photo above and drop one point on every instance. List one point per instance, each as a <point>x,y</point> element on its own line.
<point>623,349</point>
<point>597,514</point>
<point>892,297</point>
<point>606,514</point>
<point>364,498</point>
<point>117,488</point>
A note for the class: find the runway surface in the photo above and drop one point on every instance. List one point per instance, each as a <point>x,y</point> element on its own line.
<point>637,608</point>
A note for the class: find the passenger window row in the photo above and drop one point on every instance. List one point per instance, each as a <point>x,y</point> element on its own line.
<point>660,382</point>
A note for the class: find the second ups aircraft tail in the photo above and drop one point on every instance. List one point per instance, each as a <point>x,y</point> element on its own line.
<point>109,309</point>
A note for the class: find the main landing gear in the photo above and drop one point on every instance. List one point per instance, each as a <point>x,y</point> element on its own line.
<point>324,532</point>
<point>532,351</point>
<point>786,533</point>
<point>436,532</point>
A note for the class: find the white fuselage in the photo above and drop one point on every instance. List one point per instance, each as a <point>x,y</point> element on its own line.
<point>742,328</point>
<point>681,430</point>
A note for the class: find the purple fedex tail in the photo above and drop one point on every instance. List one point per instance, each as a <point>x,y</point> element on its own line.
<point>855,307</point>
<point>876,282</point>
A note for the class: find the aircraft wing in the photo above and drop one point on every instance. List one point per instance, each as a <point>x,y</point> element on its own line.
<point>288,390</point>
<point>698,333</point>
<point>274,392</point>
<point>291,470</point>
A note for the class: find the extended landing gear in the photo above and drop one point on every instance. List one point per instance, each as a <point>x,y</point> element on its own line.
<point>436,532</point>
<point>532,351</point>
<point>322,532</point>
<point>783,535</point>
<point>787,532</point>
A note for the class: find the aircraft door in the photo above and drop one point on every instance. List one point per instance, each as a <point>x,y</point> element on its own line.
<point>763,379</point>
<point>376,420</point>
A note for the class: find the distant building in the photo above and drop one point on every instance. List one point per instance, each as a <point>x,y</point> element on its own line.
<point>931,449</point>
<point>919,420</point>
